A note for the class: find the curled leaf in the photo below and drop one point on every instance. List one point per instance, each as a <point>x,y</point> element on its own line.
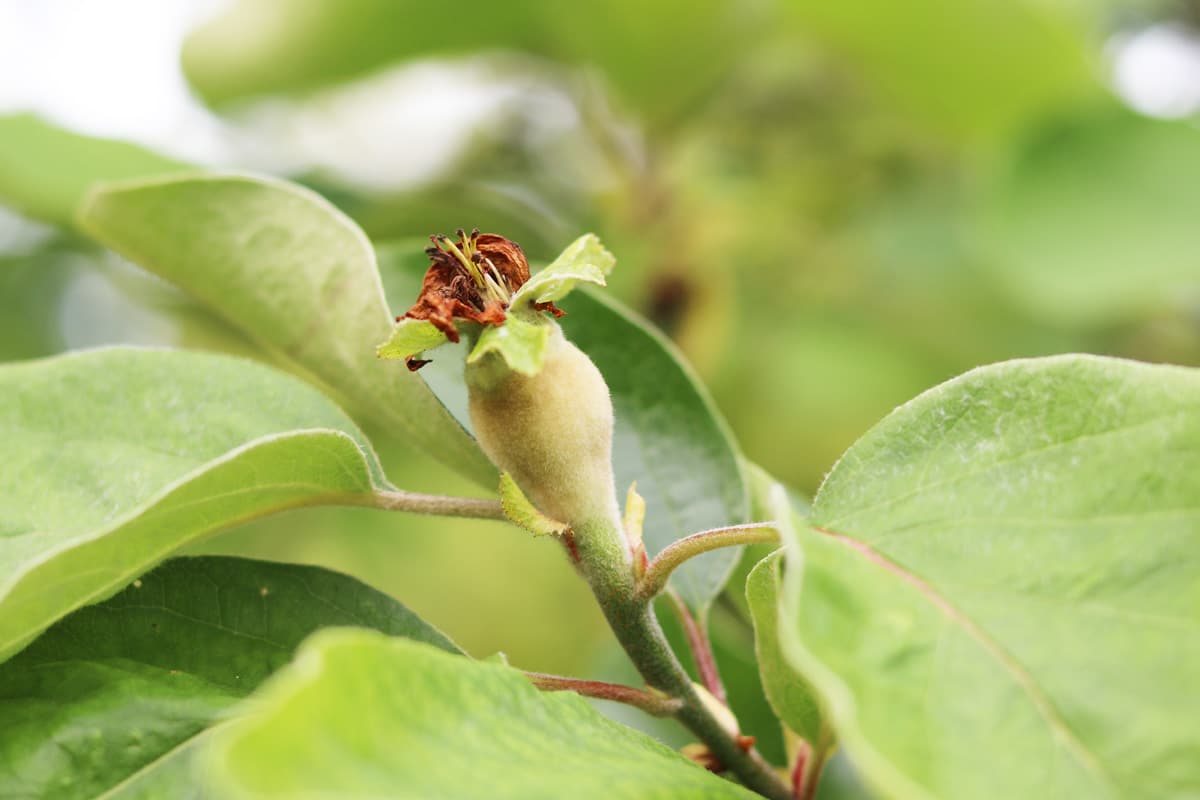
<point>584,260</point>
<point>409,337</point>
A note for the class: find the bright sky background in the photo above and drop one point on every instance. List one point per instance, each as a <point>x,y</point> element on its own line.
<point>111,68</point>
<point>106,67</point>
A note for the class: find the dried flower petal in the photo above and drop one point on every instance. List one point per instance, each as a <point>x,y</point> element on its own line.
<point>472,279</point>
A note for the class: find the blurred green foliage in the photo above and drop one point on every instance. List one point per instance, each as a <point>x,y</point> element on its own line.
<point>830,208</point>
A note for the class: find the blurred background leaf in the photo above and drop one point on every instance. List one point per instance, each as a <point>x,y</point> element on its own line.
<point>45,171</point>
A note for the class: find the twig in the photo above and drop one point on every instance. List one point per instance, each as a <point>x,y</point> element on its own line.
<point>702,654</point>
<point>604,561</point>
<point>428,504</point>
<point>660,569</point>
<point>650,701</point>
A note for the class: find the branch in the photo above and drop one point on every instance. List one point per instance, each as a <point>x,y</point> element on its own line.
<point>702,654</point>
<point>604,562</point>
<point>650,701</point>
<point>660,569</point>
<point>417,503</point>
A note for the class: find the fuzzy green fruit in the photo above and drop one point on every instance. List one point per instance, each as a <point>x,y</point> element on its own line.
<point>552,432</point>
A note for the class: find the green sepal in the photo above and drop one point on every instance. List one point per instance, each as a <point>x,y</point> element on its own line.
<point>635,517</point>
<point>411,337</point>
<point>522,513</point>
<point>584,260</point>
<point>521,341</point>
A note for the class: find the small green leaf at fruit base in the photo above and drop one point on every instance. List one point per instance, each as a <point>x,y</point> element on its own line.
<point>583,261</point>
<point>521,341</point>
<point>116,458</point>
<point>359,715</point>
<point>521,512</point>
<point>997,593</point>
<point>410,337</point>
<point>116,699</point>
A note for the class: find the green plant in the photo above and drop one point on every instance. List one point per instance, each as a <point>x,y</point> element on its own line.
<point>994,594</point>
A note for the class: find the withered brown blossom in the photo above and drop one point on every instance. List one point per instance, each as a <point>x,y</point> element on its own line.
<point>472,279</point>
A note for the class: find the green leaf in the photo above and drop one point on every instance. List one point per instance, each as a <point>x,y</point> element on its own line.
<point>521,341</point>
<point>45,171</point>
<point>1095,220</point>
<point>359,715</point>
<point>998,595</point>
<point>271,46</point>
<point>584,260</point>
<point>293,273</point>
<point>523,514</point>
<point>115,458</point>
<point>789,695</point>
<point>114,699</point>
<point>668,436</point>
<point>963,79</point>
<point>411,337</point>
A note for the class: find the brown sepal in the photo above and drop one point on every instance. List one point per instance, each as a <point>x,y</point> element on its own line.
<point>448,291</point>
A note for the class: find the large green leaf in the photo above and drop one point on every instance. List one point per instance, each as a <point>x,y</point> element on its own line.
<point>292,272</point>
<point>1095,220</point>
<point>115,458</point>
<point>359,715</point>
<point>260,47</point>
<point>668,437</point>
<point>114,699</point>
<point>45,171</point>
<point>999,594</point>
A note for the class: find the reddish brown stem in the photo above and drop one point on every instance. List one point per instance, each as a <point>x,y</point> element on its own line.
<point>799,788</point>
<point>706,663</point>
<point>654,703</point>
<point>813,779</point>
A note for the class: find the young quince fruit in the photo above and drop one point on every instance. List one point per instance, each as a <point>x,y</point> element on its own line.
<point>540,408</point>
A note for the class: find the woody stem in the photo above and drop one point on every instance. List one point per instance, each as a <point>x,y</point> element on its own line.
<point>604,561</point>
